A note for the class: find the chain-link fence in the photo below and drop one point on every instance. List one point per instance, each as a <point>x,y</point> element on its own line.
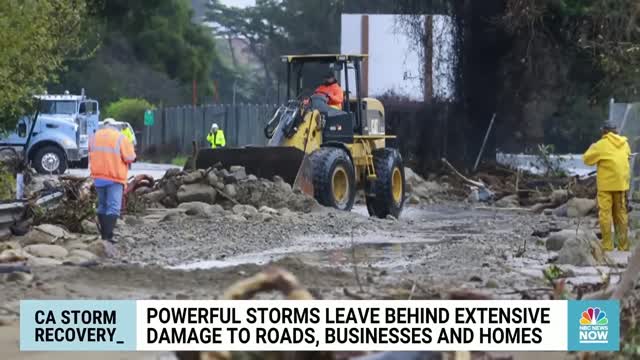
<point>626,116</point>
<point>175,128</point>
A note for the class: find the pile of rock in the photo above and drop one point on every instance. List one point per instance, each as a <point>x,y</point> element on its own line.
<point>227,188</point>
<point>419,190</point>
<point>50,245</point>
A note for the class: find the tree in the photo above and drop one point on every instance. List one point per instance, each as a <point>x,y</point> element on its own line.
<point>276,27</point>
<point>148,48</point>
<point>37,36</point>
<point>129,110</point>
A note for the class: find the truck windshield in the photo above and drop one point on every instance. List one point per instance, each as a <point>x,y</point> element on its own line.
<point>57,107</point>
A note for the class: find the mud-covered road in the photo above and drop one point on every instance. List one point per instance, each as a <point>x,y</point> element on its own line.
<point>443,246</point>
<point>430,250</point>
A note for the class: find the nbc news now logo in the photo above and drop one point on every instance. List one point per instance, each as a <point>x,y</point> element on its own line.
<point>594,326</point>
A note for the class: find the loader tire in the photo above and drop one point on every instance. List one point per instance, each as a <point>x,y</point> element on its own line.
<point>334,181</point>
<point>385,195</point>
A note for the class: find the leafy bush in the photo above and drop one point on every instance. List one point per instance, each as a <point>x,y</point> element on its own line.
<point>129,110</point>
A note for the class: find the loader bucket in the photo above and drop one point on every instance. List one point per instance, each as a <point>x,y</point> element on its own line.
<point>263,162</point>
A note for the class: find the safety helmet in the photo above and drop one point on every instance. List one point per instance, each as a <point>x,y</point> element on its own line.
<point>214,126</point>
<point>109,121</point>
<point>608,125</point>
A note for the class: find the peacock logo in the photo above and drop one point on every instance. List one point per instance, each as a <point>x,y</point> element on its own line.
<point>594,316</point>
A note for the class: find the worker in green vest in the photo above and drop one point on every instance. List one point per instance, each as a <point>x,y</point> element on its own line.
<point>216,137</point>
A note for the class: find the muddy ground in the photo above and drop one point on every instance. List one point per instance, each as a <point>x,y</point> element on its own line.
<point>429,251</point>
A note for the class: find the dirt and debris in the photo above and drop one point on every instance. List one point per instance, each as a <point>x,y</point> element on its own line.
<point>441,246</point>
<point>227,187</point>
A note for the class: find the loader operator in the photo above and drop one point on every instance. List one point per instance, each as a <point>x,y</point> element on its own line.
<point>332,90</point>
<point>110,153</point>
<point>216,137</point>
<point>611,156</point>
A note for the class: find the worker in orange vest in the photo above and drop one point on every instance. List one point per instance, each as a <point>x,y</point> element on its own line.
<point>332,90</point>
<point>110,153</point>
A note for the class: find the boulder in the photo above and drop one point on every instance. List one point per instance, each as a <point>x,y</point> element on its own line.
<point>76,244</point>
<point>44,234</point>
<point>194,208</point>
<point>53,230</point>
<point>39,261</point>
<point>560,211</point>
<point>35,237</point>
<point>193,177</point>
<point>212,178</point>
<point>82,253</point>
<point>579,207</point>
<point>214,210</point>
<point>582,251</point>
<point>90,227</point>
<point>155,196</point>
<point>508,201</point>
<point>13,255</point>
<point>196,192</point>
<point>19,276</point>
<point>239,173</point>
<point>245,210</point>
<point>102,248</point>
<point>556,240</point>
<point>268,210</point>
<point>559,197</point>
<point>47,251</point>
<point>172,215</point>
<point>79,257</point>
<point>230,189</point>
<point>252,177</point>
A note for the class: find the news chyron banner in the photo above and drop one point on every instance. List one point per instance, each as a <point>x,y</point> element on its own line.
<point>264,325</point>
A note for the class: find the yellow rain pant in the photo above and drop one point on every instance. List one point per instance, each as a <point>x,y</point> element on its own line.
<point>612,205</point>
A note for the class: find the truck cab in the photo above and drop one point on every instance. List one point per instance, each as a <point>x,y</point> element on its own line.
<point>60,136</point>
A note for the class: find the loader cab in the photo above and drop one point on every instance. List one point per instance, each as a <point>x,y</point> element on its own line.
<point>304,74</point>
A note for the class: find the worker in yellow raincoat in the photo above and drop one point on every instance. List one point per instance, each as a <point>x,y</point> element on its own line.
<point>611,156</point>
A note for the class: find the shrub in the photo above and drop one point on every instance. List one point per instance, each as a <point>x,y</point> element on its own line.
<point>129,110</point>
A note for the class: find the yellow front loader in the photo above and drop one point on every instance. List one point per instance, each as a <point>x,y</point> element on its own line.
<point>325,152</point>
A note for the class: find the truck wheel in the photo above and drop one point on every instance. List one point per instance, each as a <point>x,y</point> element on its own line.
<point>50,160</point>
<point>334,181</point>
<point>385,195</point>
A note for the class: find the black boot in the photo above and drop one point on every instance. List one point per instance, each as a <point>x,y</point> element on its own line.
<point>101,226</point>
<point>110,221</point>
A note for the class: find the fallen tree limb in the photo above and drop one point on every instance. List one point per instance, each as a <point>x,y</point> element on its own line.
<point>479,184</point>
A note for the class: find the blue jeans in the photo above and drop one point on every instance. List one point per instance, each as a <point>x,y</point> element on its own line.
<point>110,199</point>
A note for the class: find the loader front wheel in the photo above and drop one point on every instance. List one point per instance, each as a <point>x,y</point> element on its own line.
<point>385,195</point>
<point>333,178</point>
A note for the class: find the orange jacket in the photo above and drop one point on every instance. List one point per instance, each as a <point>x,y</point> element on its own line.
<point>335,94</point>
<point>110,153</point>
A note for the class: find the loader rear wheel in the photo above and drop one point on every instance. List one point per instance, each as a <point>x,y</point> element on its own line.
<point>385,195</point>
<point>334,182</point>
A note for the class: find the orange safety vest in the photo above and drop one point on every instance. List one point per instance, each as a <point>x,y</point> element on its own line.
<point>110,153</point>
<point>335,94</point>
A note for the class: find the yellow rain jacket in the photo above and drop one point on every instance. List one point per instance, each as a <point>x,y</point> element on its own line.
<point>611,155</point>
<point>217,139</point>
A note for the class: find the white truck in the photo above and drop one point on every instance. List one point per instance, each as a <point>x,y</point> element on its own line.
<point>57,136</point>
